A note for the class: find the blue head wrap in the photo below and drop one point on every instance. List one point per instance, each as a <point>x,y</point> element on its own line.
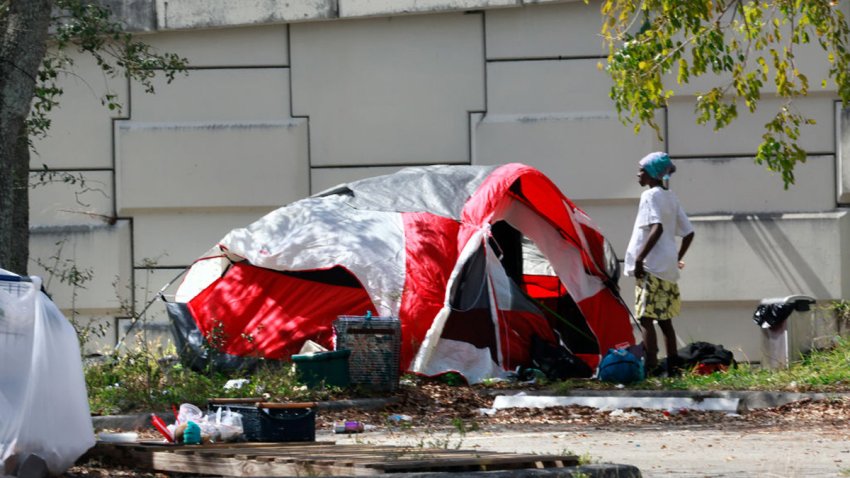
<point>658,165</point>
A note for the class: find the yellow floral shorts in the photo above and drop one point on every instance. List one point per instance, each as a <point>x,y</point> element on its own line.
<point>656,298</point>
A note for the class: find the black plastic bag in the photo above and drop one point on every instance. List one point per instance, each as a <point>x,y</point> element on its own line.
<point>706,353</point>
<point>772,315</point>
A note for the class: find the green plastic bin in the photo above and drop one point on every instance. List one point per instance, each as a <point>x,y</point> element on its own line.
<point>330,368</point>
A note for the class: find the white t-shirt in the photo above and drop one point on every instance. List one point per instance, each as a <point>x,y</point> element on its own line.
<point>658,206</point>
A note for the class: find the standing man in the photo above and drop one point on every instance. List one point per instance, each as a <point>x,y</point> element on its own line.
<point>652,258</point>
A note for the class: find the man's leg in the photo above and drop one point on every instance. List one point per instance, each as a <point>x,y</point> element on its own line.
<point>650,342</point>
<point>670,346</point>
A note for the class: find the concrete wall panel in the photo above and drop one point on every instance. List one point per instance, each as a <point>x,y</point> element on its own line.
<point>742,258</point>
<point>228,95</point>
<point>615,218</point>
<point>365,8</point>
<point>98,333</point>
<point>727,323</point>
<point>261,45</point>
<point>211,165</point>
<point>153,336</point>
<point>749,187</point>
<point>547,86</point>
<point>184,14</point>
<point>325,178</point>
<point>81,114</point>
<point>589,156</point>
<point>87,200</point>
<point>154,326</point>
<point>543,31</point>
<point>175,238</point>
<point>389,91</point>
<point>148,283</point>
<point>103,251</point>
<point>842,144</point>
<point>742,137</point>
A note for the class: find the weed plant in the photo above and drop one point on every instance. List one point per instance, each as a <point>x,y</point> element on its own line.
<point>145,379</point>
<point>139,380</point>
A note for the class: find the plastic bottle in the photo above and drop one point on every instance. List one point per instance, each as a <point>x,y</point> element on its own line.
<point>349,427</point>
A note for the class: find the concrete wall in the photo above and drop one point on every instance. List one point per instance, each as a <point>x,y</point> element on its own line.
<point>285,99</point>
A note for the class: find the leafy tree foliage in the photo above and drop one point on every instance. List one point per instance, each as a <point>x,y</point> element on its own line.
<point>745,44</point>
<point>30,89</point>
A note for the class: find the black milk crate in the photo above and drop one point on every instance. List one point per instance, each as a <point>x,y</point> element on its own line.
<point>271,424</point>
<point>375,344</point>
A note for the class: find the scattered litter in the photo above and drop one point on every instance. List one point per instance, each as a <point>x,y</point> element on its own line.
<point>162,428</point>
<point>311,347</point>
<point>192,434</point>
<point>129,437</point>
<point>619,413</point>
<point>189,412</point>
<point>223,425</point>
<point>399,419</point>
<point>236,383</point>
<point>487,411</point>
<point>352,426</point>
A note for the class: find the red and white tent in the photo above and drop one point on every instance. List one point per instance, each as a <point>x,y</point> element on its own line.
<point>473,260</point>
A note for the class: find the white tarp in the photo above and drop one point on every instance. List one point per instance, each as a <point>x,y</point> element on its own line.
<point>43,403</point>
<point>305,234</point>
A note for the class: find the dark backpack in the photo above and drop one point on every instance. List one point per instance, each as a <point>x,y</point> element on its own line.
<point>556,361</point>
<point>620,366</point>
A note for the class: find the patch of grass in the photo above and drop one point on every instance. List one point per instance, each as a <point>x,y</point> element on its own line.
<point>820,371</point>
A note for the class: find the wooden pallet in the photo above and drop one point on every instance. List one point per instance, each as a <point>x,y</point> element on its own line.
<point>313,459</point>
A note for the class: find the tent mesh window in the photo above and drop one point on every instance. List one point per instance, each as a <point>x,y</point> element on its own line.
<point>375,345</point>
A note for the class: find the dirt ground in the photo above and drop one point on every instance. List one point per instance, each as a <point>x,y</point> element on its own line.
<point>805,438</point>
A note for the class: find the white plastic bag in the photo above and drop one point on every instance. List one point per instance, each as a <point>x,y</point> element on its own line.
<point>44,408</point>
<point>189,413</point>
<point>224,425</point>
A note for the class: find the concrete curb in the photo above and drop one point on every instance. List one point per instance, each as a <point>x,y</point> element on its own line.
<point>607,402</point>
<point>750,400</point>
